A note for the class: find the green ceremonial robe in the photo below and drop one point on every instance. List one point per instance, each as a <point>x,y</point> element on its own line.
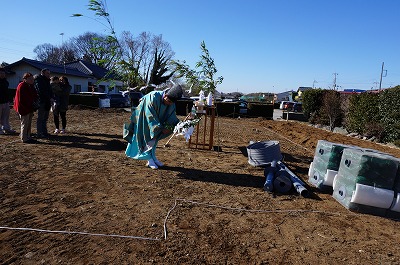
<point>148,120</point>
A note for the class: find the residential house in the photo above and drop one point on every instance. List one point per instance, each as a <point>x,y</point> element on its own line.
<point>77,79</point>
<point>82,76</point>
<point>100,79</point>
<point>300,91</point>
<point>284,96</point>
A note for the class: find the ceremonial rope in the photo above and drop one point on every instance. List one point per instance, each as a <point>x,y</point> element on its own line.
<point>165,221</point>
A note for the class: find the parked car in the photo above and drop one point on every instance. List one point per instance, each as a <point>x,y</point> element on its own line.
<point>288,106</point>
<point>298,107</point>
<point>293,106</point>
<point>134,97</point>
<point>119,101</point>
<point>243,107</point>
<point>283,103</point>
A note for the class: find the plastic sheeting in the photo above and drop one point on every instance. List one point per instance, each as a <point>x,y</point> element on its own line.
<point>326,163</point>
<point>375,172</point>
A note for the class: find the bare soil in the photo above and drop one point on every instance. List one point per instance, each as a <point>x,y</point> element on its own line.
<point>96,206</point>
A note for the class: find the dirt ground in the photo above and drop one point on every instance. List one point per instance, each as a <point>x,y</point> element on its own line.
<point>91,204</point>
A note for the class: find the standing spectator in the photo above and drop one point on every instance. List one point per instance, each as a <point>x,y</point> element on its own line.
<point>43,88</point>
<point>152,120</point>
<point>61,100</point>
<point>4,104</point>
<point>24,100</point>
<point>56,89</point>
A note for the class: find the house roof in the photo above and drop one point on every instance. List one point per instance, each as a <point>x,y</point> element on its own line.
<point>92,69</point>
<point>286,93</point>
<point>304,88</point>
<point>54,68</point>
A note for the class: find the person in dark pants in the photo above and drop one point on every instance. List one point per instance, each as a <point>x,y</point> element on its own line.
<point>61,100</point>
<point>4,104</point>
<point>43,88</point>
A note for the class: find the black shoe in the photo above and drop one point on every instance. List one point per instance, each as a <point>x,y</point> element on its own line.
<point>11,132</point>
<point>30,141</point>
<point>43,135</point>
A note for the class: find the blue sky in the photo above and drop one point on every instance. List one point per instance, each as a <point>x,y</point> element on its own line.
<point>257,45</point>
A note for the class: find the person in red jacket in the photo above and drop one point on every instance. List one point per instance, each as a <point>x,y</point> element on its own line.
<point>24,101</point>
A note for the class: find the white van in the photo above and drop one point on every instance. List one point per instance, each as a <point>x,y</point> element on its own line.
<point>283,104</point>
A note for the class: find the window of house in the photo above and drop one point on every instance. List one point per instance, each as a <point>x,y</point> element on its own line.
<point>77,88</point>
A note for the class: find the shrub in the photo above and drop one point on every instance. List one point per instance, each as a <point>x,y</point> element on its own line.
<point>312,102</point>
<point>374,129</point>
<point>389,106</point>
<point>331,108</point>
<point>363,109</point>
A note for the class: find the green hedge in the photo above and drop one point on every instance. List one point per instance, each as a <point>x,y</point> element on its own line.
<point>312,102</point>
<point>370,114</point>
<point>389,109</point>
<point>363,110</point>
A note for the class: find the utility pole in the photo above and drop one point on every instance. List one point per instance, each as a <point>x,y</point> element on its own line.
<point>380,82</point>
<point>62,49</point>
<point>334,81</point>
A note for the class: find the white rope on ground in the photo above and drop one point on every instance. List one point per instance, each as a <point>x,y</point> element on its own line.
<point>253,211</point>
<point>288,140</point>
<point>166,220</point>
<point>237,209</point>
<point>77,233</point>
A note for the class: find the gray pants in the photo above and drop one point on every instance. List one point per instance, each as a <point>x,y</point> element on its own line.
<point>41,124</point>
<point>5,116</point>
<point>26,125</point>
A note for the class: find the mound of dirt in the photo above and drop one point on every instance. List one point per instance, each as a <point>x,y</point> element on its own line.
<point>90,204</point>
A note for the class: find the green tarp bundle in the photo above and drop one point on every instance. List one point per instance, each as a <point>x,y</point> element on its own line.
<point>365,180</point>
<point>326,163</point>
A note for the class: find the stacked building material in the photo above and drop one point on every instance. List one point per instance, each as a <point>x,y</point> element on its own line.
<point>394,211</point>
<point>325,164</point>
<point>365,181</point>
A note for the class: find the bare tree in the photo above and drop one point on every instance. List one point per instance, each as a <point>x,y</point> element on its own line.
<point>147,57</point>
<point>55,54</point>
<point>331,107</point>
<point>132,57</point>
<point>48,53</point>
<point>95,48</point>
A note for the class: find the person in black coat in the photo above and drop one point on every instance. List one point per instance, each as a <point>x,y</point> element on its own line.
<point>43,88</point>
<point>61,100</point>
<point>4,104</point>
